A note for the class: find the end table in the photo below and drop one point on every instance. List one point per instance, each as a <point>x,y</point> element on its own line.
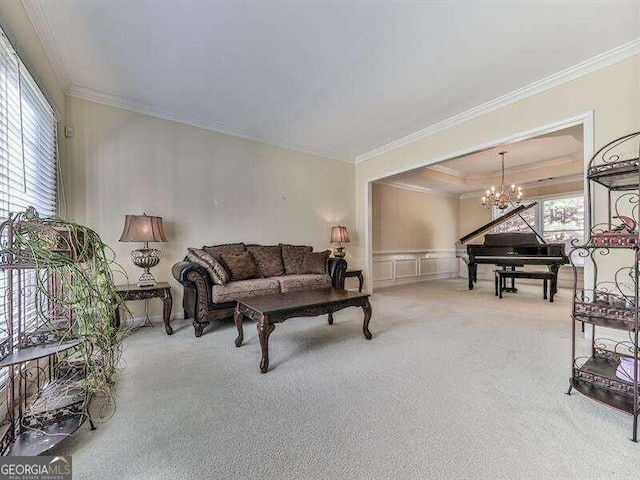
<point>357,274</point>
<point>161,290</point>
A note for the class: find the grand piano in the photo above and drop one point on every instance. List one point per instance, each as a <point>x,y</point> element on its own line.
<point>514,249</point>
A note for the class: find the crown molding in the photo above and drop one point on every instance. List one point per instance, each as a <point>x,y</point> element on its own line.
<point>43,30</point>
<point>447,171</point>
<point>533,184</point>
<point>586,67</point>
<point>555,162</point>
<point>417,188</point>
<point>145,109</point>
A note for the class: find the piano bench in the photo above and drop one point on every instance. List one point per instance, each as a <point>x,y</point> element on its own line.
<point>547,278</point>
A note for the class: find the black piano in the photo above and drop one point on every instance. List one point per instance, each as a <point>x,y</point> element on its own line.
<point>511,250</point>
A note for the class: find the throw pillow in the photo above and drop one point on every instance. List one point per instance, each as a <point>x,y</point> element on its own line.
<point>293,256</point>
<point>228,249</point>
<point>316,262</point>
<point>240,267</point>
<point>268,259</point>
<point>218,274</point>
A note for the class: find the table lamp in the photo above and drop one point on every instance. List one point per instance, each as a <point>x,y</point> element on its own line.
<point>143,228</point>
<point>339,235</point>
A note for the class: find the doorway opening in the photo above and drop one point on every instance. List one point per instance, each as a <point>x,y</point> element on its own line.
<point>416,217</point>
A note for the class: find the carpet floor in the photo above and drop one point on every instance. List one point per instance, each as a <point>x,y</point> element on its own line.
<point>454,384</point>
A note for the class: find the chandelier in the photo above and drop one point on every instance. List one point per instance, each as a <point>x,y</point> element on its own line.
<point>503,196</point>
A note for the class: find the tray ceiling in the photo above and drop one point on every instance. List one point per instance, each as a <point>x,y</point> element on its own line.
<point>555,156</point>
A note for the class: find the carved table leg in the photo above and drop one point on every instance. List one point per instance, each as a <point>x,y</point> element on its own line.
<point>264,330</point>
<point>366,308</point>
<point>360,282</point>
<point>237,317</point>
<point>167,304</point>
<point>330,318</point>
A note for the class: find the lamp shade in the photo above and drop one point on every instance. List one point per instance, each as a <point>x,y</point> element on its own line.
<point>339,234</point>
<point>142,228</point>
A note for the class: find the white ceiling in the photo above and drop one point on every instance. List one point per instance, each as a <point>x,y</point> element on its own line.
<point>336,78</point>
<point>557,155</point>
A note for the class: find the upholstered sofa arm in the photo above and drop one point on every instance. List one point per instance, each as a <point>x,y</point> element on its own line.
<point>337,269</point>
<point>197,291</point>
<point>181,270</point>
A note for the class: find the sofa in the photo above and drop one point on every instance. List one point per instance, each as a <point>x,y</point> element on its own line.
<point>215,277</point>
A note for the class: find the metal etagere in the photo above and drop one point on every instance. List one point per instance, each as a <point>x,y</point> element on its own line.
<point>39,356</point>
<point>610,374</point>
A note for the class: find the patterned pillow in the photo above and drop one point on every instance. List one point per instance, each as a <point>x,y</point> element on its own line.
<point>268,259</point>
<point>293,256</point>
<point>316,262</point>
<point>227,249</point>
<point>217,272</point>
<point>240,267</point>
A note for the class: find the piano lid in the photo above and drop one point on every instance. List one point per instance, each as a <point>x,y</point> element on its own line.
<point>507,216</point>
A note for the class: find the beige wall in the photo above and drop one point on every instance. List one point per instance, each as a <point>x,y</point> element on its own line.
<point>556,189</point>
<point>209,187</point>
<point>409,220</point>
<point>472,216</point>
<point>612,93</point>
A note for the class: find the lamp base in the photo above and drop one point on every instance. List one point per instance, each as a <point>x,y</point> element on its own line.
<point>147,280</point>
<point>339,252</point>
<point>146,258</point>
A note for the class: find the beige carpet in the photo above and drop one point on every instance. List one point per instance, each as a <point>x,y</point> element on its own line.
<point>454,384</point>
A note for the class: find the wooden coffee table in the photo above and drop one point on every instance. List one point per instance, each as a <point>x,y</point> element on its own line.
<point>268,310</point>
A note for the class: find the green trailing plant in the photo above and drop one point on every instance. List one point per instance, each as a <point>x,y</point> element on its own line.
<point>76,284</point>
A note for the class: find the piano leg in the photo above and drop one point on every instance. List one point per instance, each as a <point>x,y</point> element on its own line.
<point>470,268</point>
<point>554,283</point>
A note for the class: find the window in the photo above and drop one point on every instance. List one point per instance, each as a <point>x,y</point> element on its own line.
<point>563,219</point>
<point>558,219</point>
<point>27,165</point>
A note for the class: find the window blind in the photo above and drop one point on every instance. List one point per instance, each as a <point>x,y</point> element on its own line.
<point>27,168</point>
<point>27,140</point>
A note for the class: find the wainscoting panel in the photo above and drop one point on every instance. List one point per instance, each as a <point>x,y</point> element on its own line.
<point>449,265</point>
<point>399,268</point>
<point>429,266</point>
<point>406,268</point>
<point>383,270</point>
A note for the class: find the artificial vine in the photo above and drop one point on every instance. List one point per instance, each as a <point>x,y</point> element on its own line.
<point>83,290</point>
